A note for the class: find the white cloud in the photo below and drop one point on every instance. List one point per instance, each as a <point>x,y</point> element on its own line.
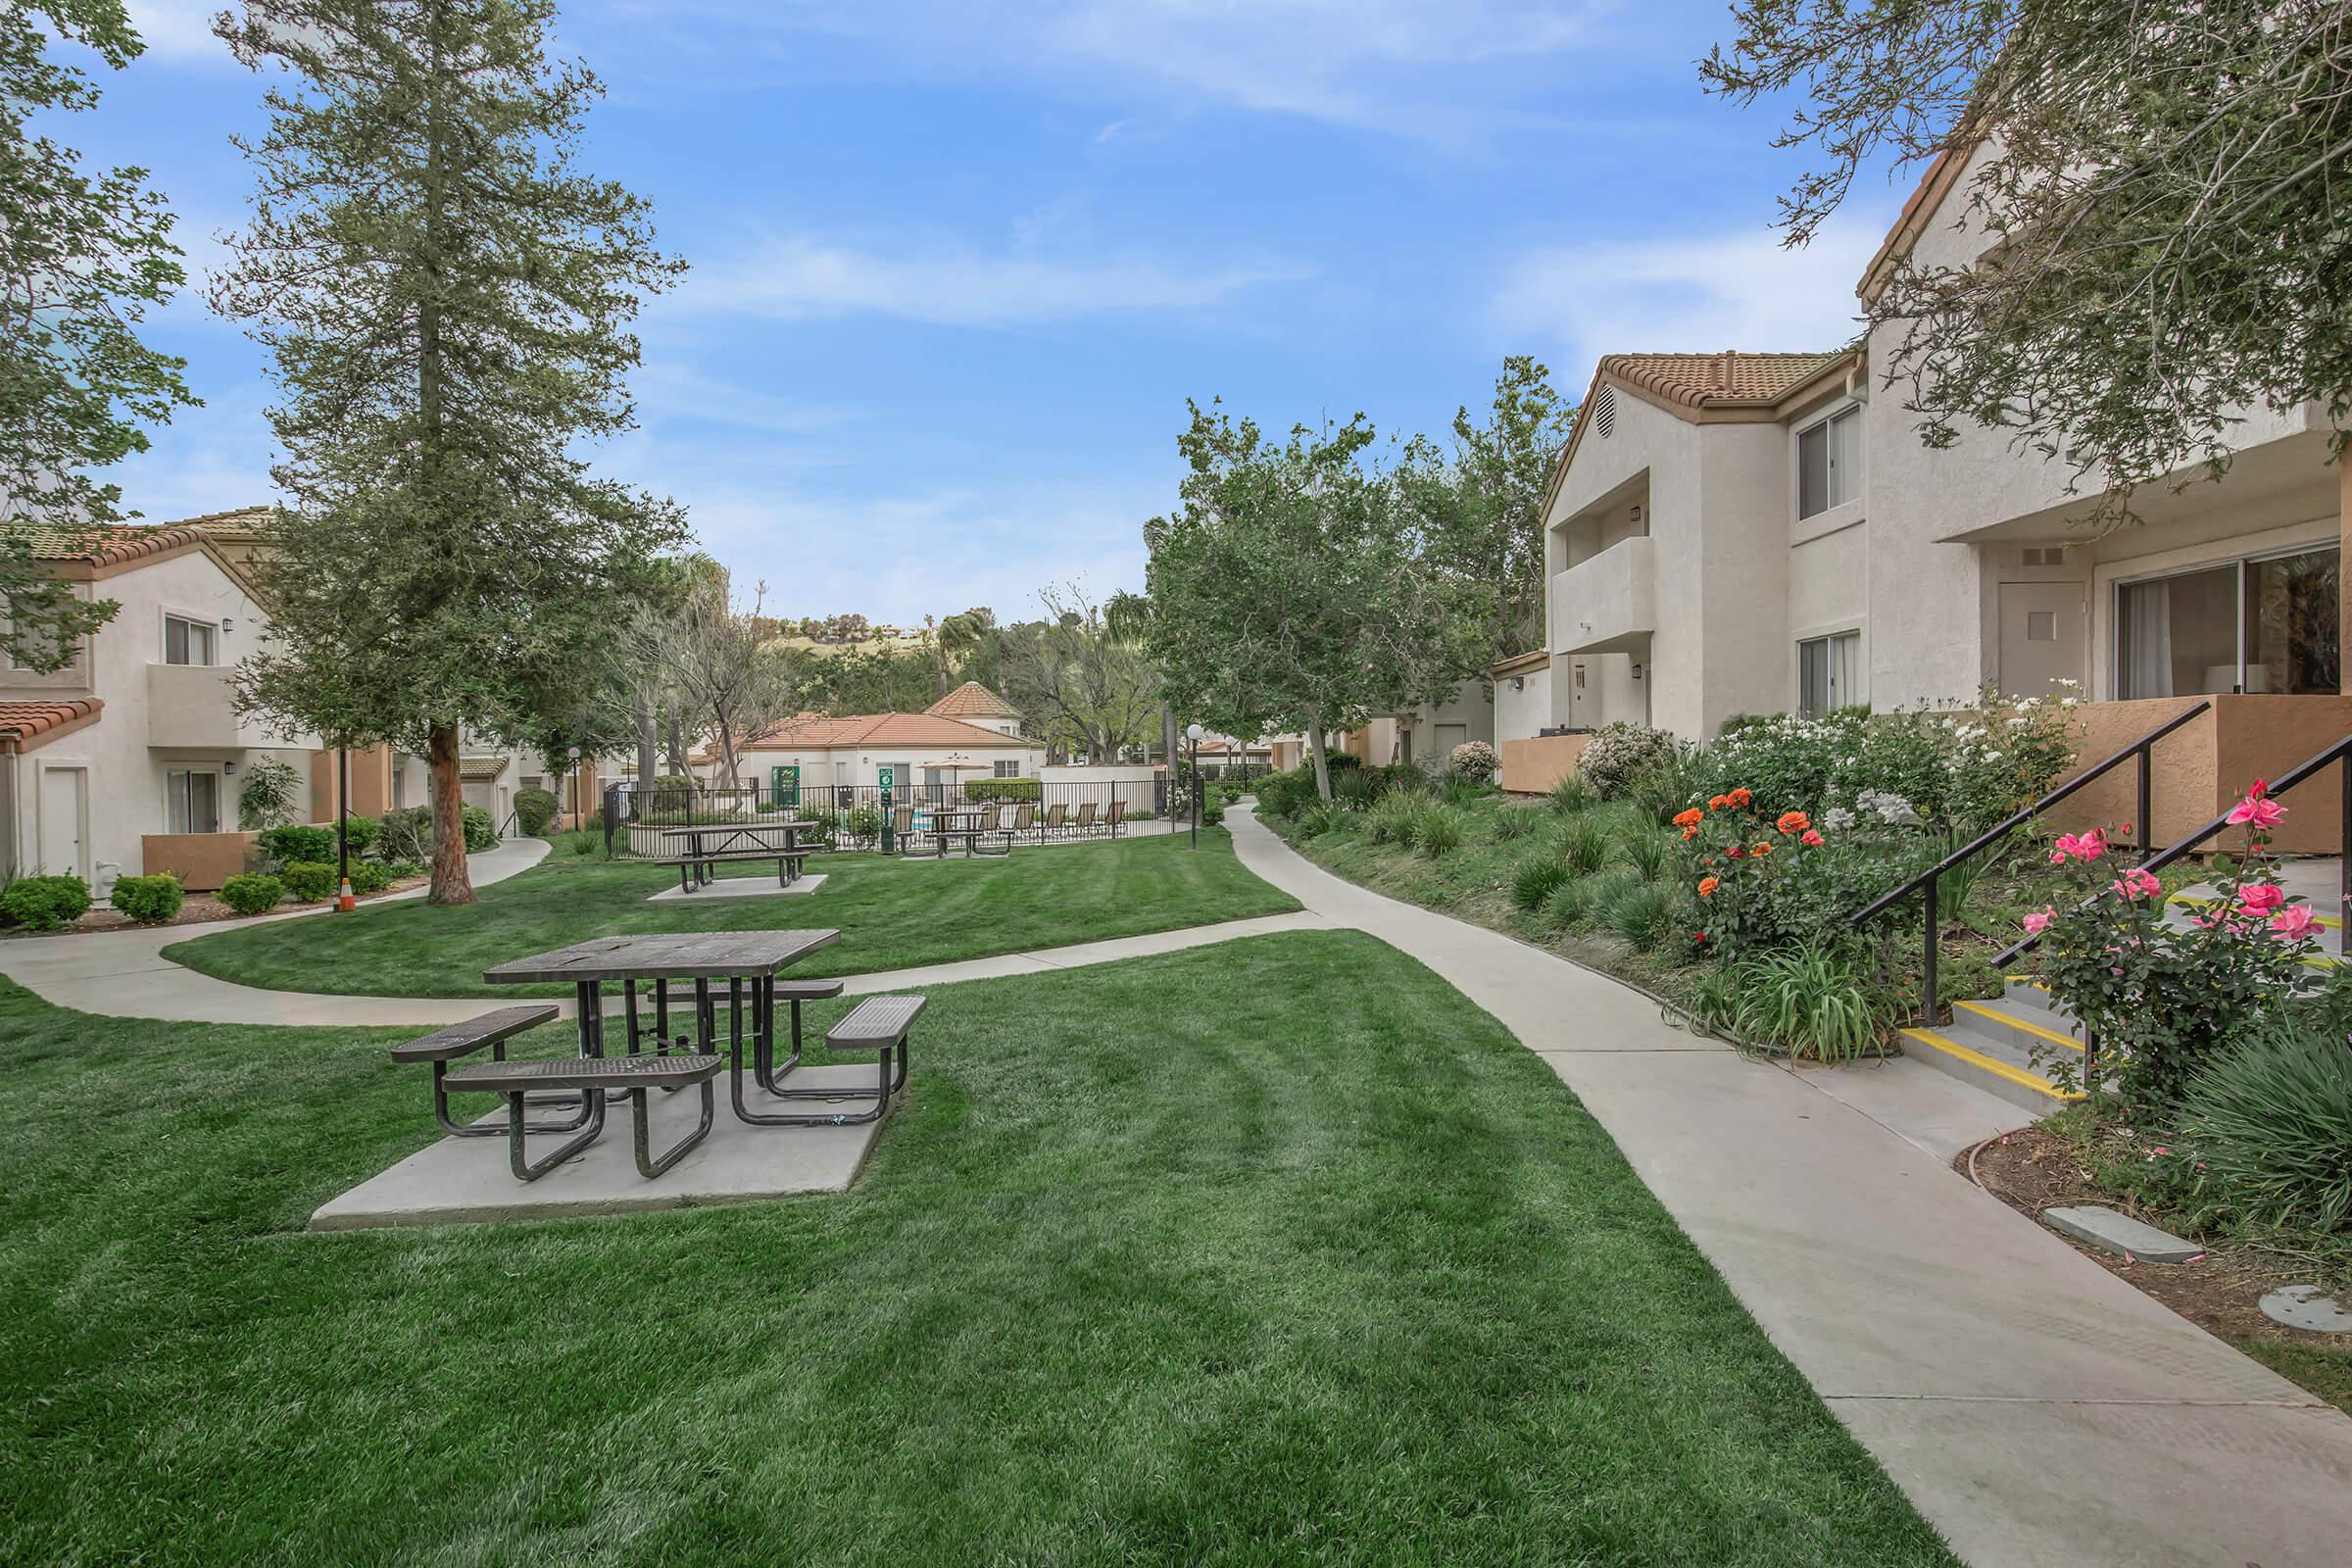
<point>949,284</point>
<point>177,28</point>
<point>1696,295</point>
<point>1400,66</point>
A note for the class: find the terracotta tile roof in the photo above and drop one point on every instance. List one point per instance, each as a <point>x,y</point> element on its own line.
<point>25,721</point>
<point>1711,380</point>
<point>1941,171</point>
<point>926,730</point>
<point>111,546</point>
<point>480,769</point>
<point>971,699</point>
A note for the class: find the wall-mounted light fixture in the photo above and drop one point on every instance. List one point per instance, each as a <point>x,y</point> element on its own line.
<point>1637,513</point>
<point>1518,683</point>
<point>227,625</point>
<point>227,770</point>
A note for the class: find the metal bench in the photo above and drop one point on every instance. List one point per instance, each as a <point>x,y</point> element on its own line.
<point>492,1029</point>
<point>595,1077</point>
<point>788,864</point>
<point>764,1068</point>
<point>879,1024</point>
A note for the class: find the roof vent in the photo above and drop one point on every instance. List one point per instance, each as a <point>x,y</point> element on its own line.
<point>1605,411</point>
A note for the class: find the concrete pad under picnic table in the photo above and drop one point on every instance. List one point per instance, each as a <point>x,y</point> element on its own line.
<point>740,887</point>
<point>465,1181</point>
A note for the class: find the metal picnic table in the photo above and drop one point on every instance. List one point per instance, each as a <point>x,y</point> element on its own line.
<point>709,843</point>
<point>740,958</point>
<point>966,823</point>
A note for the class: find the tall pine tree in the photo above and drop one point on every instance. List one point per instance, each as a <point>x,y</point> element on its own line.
<point>447,296</point>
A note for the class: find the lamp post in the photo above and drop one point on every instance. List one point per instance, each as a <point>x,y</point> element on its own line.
<point>1192,732</point>
<point>577,820</point>
<point>343,900</point>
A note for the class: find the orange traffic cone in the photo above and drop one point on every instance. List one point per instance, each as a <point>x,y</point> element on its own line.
<point>344,901</point>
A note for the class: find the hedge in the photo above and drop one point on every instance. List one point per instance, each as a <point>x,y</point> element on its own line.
<point>309,880</point>
<point>249,894</point>
<point>148,899</point>
<point>534,811</point>
<point>1005,789</point>
<point>46,902</point>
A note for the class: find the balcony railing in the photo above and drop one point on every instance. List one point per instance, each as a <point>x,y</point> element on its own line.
<point>1607,602</point>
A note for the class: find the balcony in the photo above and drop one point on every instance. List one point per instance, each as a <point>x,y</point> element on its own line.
<point>195,706</point>
<point>1607,603</point>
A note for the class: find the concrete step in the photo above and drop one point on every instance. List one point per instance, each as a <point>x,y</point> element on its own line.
<point>1984,1061</point>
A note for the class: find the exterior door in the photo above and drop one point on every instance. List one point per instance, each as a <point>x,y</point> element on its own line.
<point>65,814</point>
<point>2043,636</point>
<point>1580,700</point>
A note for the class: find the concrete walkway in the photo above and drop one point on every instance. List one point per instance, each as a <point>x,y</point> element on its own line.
<point>123,974</point>
<point>2034,1407</point>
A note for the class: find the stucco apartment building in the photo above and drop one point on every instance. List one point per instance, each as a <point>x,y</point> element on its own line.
<point>130,758</point>
<point>969,733</point>
<point>1733,533</point>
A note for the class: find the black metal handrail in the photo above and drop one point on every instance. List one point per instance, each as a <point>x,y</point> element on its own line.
<point>2143,749</point>
<point>2336,751</point>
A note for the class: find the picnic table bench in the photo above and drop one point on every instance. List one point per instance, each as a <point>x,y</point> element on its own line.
<point>492,1030</point>
<point>879,1024</point>
<point>595,1077</point>
<point>712,845</point>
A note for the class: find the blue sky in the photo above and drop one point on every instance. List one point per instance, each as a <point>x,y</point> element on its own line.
<point>957,266</point>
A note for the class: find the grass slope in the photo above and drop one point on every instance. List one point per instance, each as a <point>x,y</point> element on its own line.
<point>1269,1253</point>
<point>894,915</point>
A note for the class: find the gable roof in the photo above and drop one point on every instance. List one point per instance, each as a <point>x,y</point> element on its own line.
<point>31,725</point>
<point>82,554</point>
<point>480,769</point>
<point>1701,388</point>
<point>971,699</point>
<point>1920,206</point>
<point>817,733</point>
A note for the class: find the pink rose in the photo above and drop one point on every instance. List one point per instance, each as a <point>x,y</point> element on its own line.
<point>2137,884</point>
<point>1812,839</point>
<point>2257,811</point>
<point>2040,920</point>
<point>2293,923</point>
<point>2079,847</point>
<point>2262,898</point>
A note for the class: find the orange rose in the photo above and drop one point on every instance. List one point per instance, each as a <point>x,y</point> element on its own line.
<point>1794,822</point>
<point>1741,796</point>
<point>1688,834</point>
<point>1761,849</point>
<point>1707,886</point>
<point>1719,802</point>
<point>1690,819</point>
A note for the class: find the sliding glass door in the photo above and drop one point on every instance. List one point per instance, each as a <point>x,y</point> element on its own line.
<point>2267,623</point>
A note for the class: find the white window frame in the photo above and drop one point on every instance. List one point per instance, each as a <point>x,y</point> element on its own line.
<point>1835,700</point>
<point>1833,498</point>
<point>2237,565</point>
<point>220,794</point>
<point>190,619</point>
<point>1008,767</point>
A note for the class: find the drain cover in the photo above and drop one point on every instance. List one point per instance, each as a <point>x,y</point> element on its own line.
<point>2306,1306</point>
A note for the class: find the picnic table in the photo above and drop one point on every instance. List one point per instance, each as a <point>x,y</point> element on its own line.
<point>706,846</point>
<point>967,823</point>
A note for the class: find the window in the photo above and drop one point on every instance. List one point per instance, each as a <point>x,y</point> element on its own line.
<point>1829,463</point>
<point>191,801</point>
<point>2262,624</point>
<point>188,642</point>
<point>1829,674</point>
<point>1009,767</point>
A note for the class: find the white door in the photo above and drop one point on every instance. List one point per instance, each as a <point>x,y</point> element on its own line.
<point>64,820</point>
<point>2042,636</point>
<point>1580,701</point>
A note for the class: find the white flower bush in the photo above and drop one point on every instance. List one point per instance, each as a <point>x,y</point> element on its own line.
<point>1474,761</point>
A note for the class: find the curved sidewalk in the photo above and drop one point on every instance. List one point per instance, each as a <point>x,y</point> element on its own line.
<point>123,974</point>
<point>2035,1408</point>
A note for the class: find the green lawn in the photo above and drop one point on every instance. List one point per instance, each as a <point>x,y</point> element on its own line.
<point>1264,1254</point>
<point>894,915</point>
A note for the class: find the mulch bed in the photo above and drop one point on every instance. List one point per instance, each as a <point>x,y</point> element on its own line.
<point>2033,1169</point>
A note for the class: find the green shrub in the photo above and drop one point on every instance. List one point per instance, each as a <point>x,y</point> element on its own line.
<point>269,796</point>
<point>1536,879</point>
<point>1617,755</point>
<point>1807,999</point>
<point>308,881</point>
<point>1639,913</point>
<point>296,841</point>
<point>1515,822</point>
<point>1392,819</point>
<point>401,870</point>
<point>1648,852</point>
<point>148,899</point>
<point>481,828</point>
<point>1739,721</point>
<point>1570,904</point>
<point>370,877</point>
<point>45,903</point>
<point>2271,1120</point>
<point>407,833</point>
<point>535,810</point>
<point>1668,784</point>
<point>986,790</point>
<point>863,822</point>
<point>1212,813</point>
<point>251,894</point>
<point>1438,830</point>
<point>1474,761</point>
<point>1574,792</point>
<point>1584,845</point>
<point>1314,820</point>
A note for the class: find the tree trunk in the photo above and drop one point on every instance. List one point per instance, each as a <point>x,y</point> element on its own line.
<point>451,883</point>
<point>1315,747</point>
<point>1167,734</point>
<point>646,737</point>
<point>677,744</point>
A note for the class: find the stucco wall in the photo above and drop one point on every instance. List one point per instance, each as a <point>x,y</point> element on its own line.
<point>1520,712</point>
<point>2200,769</point>
<point>201,860</point>
<point>1534,765</point>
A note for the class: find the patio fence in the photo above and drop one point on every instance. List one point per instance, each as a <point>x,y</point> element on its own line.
<point>851,815</point>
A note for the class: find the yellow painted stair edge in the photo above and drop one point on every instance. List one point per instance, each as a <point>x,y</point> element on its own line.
<point>2051,1035</point>
<point>1977,1058</point>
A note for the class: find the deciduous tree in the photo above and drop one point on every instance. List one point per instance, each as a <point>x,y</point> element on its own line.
<point>83,256</point>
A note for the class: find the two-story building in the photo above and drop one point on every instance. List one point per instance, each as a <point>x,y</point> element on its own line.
<point>129,758</point>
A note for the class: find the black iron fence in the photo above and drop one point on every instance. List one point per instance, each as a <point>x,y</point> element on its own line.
<point>853,815</point>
